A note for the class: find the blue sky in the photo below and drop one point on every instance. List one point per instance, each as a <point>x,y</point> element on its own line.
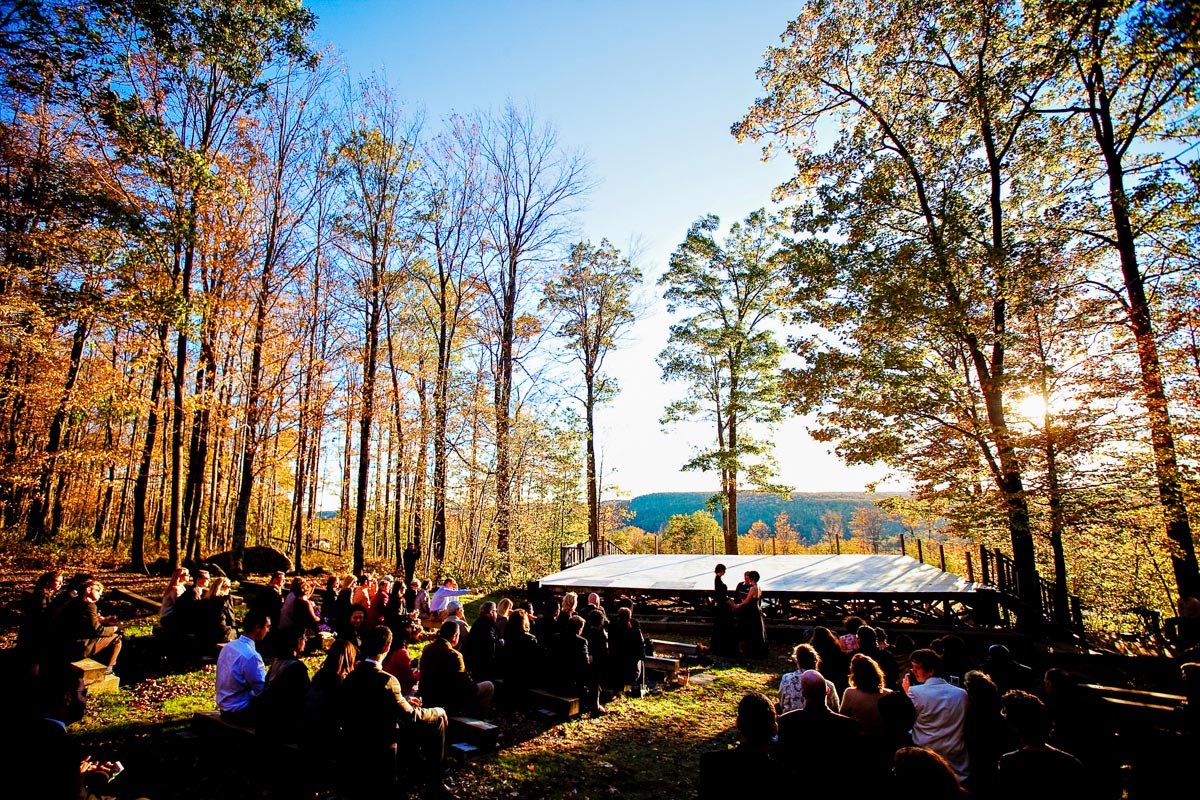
<point>646,91</point>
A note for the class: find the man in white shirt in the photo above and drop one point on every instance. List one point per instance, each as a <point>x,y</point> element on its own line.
<point>447,591</point>
<point>241,673</point>
<point>941,711</point>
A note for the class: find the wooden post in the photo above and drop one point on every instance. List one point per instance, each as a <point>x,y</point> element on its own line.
<point>942,551</point>
<point>773,544</point>
<point>920,552</point>
<point>837,543</point>
<point>903,551</point>
<point>983,565</point>
<point>970,568</point>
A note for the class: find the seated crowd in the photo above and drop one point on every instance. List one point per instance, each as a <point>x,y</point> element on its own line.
<point>370,684</point>
<point>62,623</point>
<point>917,722</point>
<point>856,711</point>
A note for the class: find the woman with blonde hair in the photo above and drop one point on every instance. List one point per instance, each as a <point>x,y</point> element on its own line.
<point>567,610</point>
<point>503,609</point>
<point>216,613</point>
<point>176,586</point>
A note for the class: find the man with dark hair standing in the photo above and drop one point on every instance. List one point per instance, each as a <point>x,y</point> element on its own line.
<point>410,564</point>
<point>379,714</point>
<point>241,673</point>
<point>941,711</point>
<point>726,773</point>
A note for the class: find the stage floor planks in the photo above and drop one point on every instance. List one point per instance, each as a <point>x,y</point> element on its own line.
<point>781,576</point>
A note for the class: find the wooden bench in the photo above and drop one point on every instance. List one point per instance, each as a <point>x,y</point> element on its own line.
<point>476,732</point>
<point>210,723</point>
<point>1136,708</point>
<point>661,647</point>
<point>667,667</point>
<point>558,706</point>
<point>147,603</point>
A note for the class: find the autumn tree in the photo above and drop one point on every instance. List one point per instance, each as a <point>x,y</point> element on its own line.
<point>288,172</point>
<point>1130,88</point>
<point>918,298</point>
<point>535,186</point>
<point>833,526</point>
<point>377,159</point>
<point>726,351</point>
<point>685,533</point>
<point>187,81</point>
<point>867,525</point>
<point>453,225</point>
<point>593,295</point>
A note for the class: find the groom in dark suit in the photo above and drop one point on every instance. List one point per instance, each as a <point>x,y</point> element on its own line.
<point>380,717</point>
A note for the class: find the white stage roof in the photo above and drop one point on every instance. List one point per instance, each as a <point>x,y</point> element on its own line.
<point>814,575</point>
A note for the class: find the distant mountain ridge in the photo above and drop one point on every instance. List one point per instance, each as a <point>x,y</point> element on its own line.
<point>652,511</point>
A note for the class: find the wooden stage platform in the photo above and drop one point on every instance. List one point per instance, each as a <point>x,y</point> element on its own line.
<point>806,589</point>
<point>799,577</point>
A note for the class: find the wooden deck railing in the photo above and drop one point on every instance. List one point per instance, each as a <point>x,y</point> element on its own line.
<point>571,555</point>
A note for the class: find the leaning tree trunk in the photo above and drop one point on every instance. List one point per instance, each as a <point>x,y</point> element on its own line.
<point>1162,436</point>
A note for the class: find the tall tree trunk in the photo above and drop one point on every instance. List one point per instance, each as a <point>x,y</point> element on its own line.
<point>12,400</point>
<point>503,404</point>
<point>440,412</point>
<point>419,475</point>
<point>250,436</point>
<point>175,520</point>
<point>106,498</point>
<point>36,530</point>
<point>1162,436</point>
<point>141,485</point>
<point>592,492</point>
<point>397,504</point>
<point>348,455</point>
<point>366,420</point>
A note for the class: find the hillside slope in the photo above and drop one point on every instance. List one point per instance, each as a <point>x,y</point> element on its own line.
<point>651,511</point>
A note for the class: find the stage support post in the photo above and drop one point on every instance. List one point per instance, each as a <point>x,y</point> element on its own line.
<point>942,551</point>
<point>970,568</point>
<point>920,552</point>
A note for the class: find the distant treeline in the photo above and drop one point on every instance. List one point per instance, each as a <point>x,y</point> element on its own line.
<point>804,510</point>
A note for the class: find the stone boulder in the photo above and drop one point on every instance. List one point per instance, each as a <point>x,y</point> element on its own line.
<point>256,560</point>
